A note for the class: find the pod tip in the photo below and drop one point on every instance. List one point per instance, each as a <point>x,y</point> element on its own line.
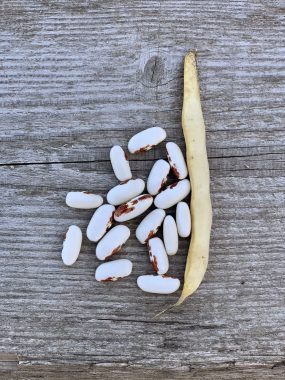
<point>163,311</point>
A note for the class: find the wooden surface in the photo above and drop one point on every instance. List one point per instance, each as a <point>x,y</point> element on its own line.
<point>76,78</point>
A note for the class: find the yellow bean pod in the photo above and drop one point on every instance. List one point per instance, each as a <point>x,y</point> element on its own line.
<point>197,162</point>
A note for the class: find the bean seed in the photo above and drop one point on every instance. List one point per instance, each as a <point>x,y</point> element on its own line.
<point>83,200</point>
<point>157,177</point>
<point>176,160</point>
<point>133,208</point>
<point>113,270</point>
<point>172,194</point>
<point>183,219</point>
<point>149,226</point>
<point>146,139</point>
<point>158,256</point>
<point>170,235</point>
<point>71,245</point>
<point>158,284</point>
<point>100,222</point>
<point>125,191</point>
<point>112,242</point>
<point>120,163</point>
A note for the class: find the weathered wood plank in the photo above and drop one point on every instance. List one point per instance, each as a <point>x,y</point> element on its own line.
<point>235,315</point>
<point>8,362</point>
<point>77,77</point>
<point>247,147</point>
<point>90,372</point>
<point>59,88</point>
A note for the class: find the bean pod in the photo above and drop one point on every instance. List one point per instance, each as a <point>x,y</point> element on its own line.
<point>120,163</point>
<point>71,245</point>
<point>112,242</point>
<point>157,177</point>
<point>195,138</point>
<point>146,139</point>
<point>149,226</point>
<point>125,191</point>
<point>133,208</point>
<point>172,194</point>
<point>100,222</point>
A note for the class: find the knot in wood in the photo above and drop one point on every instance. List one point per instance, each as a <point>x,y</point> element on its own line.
<point>154,70</point>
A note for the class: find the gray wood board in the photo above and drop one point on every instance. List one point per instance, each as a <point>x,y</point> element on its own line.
<point>79,76</point>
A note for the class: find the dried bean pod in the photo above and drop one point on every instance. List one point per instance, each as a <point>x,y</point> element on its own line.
<point>198,166</point>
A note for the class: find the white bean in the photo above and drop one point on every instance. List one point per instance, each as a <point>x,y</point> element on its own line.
<point>158,284</point>
<point>172,194</point>
<point>158,256</point>
<point>176,160</point>
<point>133,208</point>
<point>100,222</point>
<point>170,235</point>
<point>71,245</point>
<point>83,200</point>
<point>125,191</point>
<point>157,177</point>
<point>112,242</point>
<point>149,226</point>
<point>113,270</point>
<point>146,139</point>
<point>120,163</point>
<point>183,219</point>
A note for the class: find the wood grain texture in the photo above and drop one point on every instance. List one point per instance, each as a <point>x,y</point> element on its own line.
<point>122,372</point>
<point>79,76</point>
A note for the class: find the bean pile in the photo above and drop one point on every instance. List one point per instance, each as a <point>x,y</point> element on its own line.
<point>131,202</point>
